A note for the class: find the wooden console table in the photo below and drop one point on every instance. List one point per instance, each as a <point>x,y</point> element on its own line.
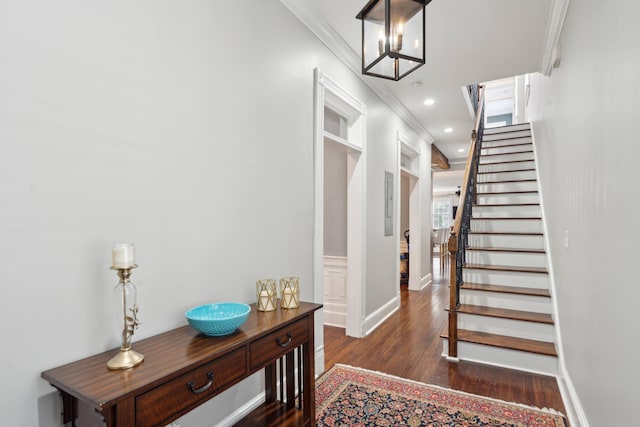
<point>183,369</point>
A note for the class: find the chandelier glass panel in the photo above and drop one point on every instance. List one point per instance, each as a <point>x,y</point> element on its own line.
<point>392,37</point>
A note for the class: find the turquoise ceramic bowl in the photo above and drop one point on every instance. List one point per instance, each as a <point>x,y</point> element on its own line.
<point>218,319</point>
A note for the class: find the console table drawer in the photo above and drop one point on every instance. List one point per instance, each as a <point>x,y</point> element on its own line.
<point>187,391</point>
<point>278,343</point>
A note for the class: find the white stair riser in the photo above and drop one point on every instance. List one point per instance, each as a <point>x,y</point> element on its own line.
<point>506,176</point>
<point>501,199</point>
<point>506,278</point>
<point>511,157</point>
<point>513,259</point>
<point>506,129</point>
<point>505,142</point>
<point>504,136</point>
<point>506,241</point>
<point>502,149</point>
<point>505,357</point>
<point>502,167</point>
<point>507,301</point>
<point>507,327</point>
<point>505,187</point>
<point>506,225</point>
<point>508,211</point>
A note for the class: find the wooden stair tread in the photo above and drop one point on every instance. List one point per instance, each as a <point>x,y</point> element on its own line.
<point>538,270</point>
<point>506,154</point>
<point>517,290</point>
<point>498,249</point>
<point>514,170</point>
<point>506,218</point>
<point>505,313</point>
<point>503,341</point>
<point>505,233</point>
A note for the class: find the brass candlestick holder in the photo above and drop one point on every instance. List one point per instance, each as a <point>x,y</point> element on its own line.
<point>127,358</point>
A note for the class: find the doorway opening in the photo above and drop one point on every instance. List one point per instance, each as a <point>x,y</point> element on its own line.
<point>409,266</point>
<point>339,249</point>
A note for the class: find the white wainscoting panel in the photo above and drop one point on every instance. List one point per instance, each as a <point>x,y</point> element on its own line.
<point>335,291</point>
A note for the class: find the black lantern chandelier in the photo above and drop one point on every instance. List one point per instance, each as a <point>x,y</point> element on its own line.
<point>392,37</point>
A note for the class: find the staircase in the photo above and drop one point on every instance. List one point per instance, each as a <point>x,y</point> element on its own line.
<point>504,316</point>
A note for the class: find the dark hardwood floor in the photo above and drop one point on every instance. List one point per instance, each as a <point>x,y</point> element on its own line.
<point>408,345</point>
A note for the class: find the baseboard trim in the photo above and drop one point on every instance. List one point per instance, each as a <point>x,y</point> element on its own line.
<point>242,411</point>
<point>319,356</point>
<point>378,317</point>
<point>425,281</point>
<point>574,410</point>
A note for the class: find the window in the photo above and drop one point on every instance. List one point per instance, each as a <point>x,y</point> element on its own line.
<point>441,213</point>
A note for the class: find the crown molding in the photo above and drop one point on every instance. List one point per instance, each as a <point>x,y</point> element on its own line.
<point>310,17</point>
<point>555,22</point>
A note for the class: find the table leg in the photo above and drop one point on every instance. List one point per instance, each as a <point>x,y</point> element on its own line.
<point>309,404</point>
<point>291,380</point>
<point>270,382</point>
<point>69,407</point>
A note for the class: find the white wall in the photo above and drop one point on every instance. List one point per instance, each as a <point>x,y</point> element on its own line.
<point>183,127</point>
<point>585,121</point>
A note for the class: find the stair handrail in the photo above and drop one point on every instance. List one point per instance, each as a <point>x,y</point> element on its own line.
<point>459,234</point>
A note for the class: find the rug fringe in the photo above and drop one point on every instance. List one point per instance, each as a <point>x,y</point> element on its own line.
<point>522,405</point>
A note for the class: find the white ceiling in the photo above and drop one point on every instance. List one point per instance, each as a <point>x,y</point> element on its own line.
<point>467,41</point>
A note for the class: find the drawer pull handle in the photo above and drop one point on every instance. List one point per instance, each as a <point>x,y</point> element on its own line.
<point>286,343</point>
<point>191,386</point>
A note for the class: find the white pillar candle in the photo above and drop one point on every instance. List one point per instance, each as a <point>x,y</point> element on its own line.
<point>122,256</point>
<point>267,299</point>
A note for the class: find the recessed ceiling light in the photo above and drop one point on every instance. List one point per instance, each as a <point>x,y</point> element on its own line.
<point>448,130</point>
<point>460,150</point>
<point>429,101</point>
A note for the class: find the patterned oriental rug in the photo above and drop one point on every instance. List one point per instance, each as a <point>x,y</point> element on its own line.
<point>348,396</point>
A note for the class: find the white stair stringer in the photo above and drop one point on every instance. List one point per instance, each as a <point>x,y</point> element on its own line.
<point>506,311</point>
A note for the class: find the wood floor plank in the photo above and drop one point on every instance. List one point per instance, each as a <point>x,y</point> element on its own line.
<point>408,345</point>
